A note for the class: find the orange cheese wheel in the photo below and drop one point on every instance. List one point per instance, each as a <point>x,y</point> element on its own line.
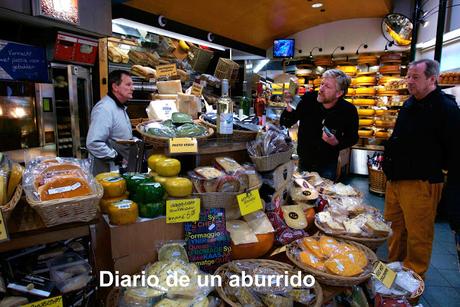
<point>106,202</point>
<point>365,132</point>
<point>390,69</point>
<point>123,212</point>
<point>364,102</point>
<point>365,91</point>
<point>56,170</point>
<point>382,134</point>
<point>64,187</point>
<point>366,112</point>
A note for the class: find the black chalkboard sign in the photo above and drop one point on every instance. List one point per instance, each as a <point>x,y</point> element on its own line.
<point>208,242</point>
<point>22,62</point>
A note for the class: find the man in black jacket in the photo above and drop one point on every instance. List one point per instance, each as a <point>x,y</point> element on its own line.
<point>327,124</point>
<point>423,142</point>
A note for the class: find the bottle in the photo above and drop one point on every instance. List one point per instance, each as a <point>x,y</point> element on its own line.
<point>245,103</point>
<point>224,112</point>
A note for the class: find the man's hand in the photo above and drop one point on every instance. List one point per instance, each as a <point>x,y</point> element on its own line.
<point>331,140</point>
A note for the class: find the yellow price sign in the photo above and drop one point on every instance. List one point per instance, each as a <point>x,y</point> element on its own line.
<point>3,231</point>
<point>182,210</point>
<point>183,145</point>
<point>249,202</point>
<point>384,274</point>
<point>50,302</point>
<point>196,89</point>
<point>168,70</point>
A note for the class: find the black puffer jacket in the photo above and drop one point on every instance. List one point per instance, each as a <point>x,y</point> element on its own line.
<point>425,139</point>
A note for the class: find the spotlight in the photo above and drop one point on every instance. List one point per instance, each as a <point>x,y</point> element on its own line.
<point>364,45</point>
<point>341,48</point>
<point>311,51</point>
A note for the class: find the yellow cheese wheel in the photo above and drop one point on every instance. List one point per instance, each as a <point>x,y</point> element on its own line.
<point>113,186</point>
<point>351,91</point>
<point>15,179</point>
<point>168,167</point>
<point>162,180</point>
<point>365,91</point>
<point>384,123</point>
<point>123,212</point>
<point>349,70</point>
<point>101,176</point>
<point>366,121</point>
<point>343,267</point>
<point>106,202</point>
<point>364,102</point>
<point>366,112</point>
<point>178,187</point>
<point>153,159</point>
<point>365,132</point>
<point>365,80</point>
<point>382,134</point>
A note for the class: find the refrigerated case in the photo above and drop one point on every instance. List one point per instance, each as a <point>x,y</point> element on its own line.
<point>73,103</point>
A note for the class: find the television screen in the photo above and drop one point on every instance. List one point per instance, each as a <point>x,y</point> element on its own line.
<point>283,48</point>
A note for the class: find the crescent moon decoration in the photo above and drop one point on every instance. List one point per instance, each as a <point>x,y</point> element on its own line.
<point>210,37</point>
<point>162,21</point>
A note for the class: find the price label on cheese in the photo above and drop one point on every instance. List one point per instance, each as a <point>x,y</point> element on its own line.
<point>168,70</point>
<point>182,210</point>
<point>196,89</point>
<point>3,231</point>
<point>249,202</point>
<point>50,302</point>
<point>385,275</point>
<point>183,145</point>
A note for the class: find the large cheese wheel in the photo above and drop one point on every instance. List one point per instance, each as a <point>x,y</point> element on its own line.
<point>64,187</point>
<point>366,112</point>
<point>101,176</point>
<point>364,102</point>
<point>123,212</point>
<point>365,122</point>
<point>382,134</point>
<point>153,159</point>
<point>365,80</point>
<point>384,123</point>
<point>365,91</point>
<point>349,70</point>
<point>254,250</point>
<point>178,187</point>
<point>365,132</point>
<point>63,169</point>
<point>114,186</point>
<point>390,69</point>
<point>367,59</point>
<point>167,167</point>
<point>106,202</point>
<point>351,91</point>
<point>390,57</point>
<point>385,92</point>
<point>382,112</point>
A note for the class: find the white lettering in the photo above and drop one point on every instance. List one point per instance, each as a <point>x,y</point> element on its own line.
<point>102,274</point>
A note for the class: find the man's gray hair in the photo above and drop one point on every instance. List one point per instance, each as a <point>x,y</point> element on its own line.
<point>432,67</point>
<point>343,81</point>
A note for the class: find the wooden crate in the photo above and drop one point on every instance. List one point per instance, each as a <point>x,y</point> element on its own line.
<point>227,69</point>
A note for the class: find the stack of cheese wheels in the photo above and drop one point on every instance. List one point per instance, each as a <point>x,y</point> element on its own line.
<point>114,189</point>
<point>351,92</point>
<point>366,112</point>
<point>61,180</point>
<point>382,91</point>
<point>390,57</point>
<point>383,112</point>
<point>365,91</point>
<point>365,122</point>
<point>364,102</point>
<point>383,80</point>
<point>349,70</point>
<point>323,60</point>
<point>365,80</point>
<point>390,69</point>
<point>365,132</point>
<point>367,59</point>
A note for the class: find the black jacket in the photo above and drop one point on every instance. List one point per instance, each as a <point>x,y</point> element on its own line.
<point>425,139</point>
<point>342,121</point>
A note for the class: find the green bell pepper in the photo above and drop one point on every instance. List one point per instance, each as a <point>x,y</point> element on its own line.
<point>151,210</point>
<point>148,192</point>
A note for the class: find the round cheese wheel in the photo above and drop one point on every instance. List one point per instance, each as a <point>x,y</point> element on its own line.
<point>365,91</point>
<point>351,92</point>
<point>365,80</point>
<point>123,212</point>
<point>178,187</point>
<point>64,187</point>
<point>365,122</point>
<point>382,134</point>
<point>106,202</point>
<point>168,167</point>
<point>349,70</point>
<point>366,112</point>
<point>367,59</point>
<point>365,132</point>
<point>390,57</point>
<point>390,69</point>
<point>114,186</point>
<point>384,123</point>
<point>364,102</point>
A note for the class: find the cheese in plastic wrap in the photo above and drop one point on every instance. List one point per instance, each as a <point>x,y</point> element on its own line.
<point>259,222</point>
<point>161,109</point>
<point>240,232</point>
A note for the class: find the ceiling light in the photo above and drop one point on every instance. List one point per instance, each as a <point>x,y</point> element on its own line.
<point>317,5</point>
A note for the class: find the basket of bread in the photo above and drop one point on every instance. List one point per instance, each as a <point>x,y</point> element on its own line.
<point>267,292</point>
<point>10,185</point>
<point>61,190</point>
<point>218,185</point>
<point>332,261</point>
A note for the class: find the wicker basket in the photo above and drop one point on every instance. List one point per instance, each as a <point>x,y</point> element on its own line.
<point>372,243</point>
<point>414,297</point>
<point>271,264</point>
<point>227,69</point>
<point>137,121</point>
<point>164,141</point>
<point>269,163</point>
<point>60,211</point>
<point>8,208</point>
<point>331,279</point>
<point>377,181</point>
<point>238,135</point>
<point>220,199</point>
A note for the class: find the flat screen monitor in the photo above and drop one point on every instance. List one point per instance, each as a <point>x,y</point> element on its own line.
<point>283,48</point>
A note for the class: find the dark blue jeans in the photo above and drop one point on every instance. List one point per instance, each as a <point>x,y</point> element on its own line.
<point>325,170</point>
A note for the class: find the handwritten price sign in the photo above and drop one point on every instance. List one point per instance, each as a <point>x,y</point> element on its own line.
<point>249,202</point>
<point>182,210</point>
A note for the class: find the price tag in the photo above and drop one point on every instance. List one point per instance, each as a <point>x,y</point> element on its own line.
<point>384,274</point>
<point>183,145</point>
<point>249,202</point>
<point>168,70</point>
<point>196,89</point>
<point>50,302</point>
<point>182,210</point>
<point>3,231</point>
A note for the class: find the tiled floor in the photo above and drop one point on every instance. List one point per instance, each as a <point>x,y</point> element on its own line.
<point>442,284</point>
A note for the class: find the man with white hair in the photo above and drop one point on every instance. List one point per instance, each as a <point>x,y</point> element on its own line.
<point>327,124</point>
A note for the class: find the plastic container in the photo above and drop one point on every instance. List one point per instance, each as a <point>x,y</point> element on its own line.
<point>70,272</point>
